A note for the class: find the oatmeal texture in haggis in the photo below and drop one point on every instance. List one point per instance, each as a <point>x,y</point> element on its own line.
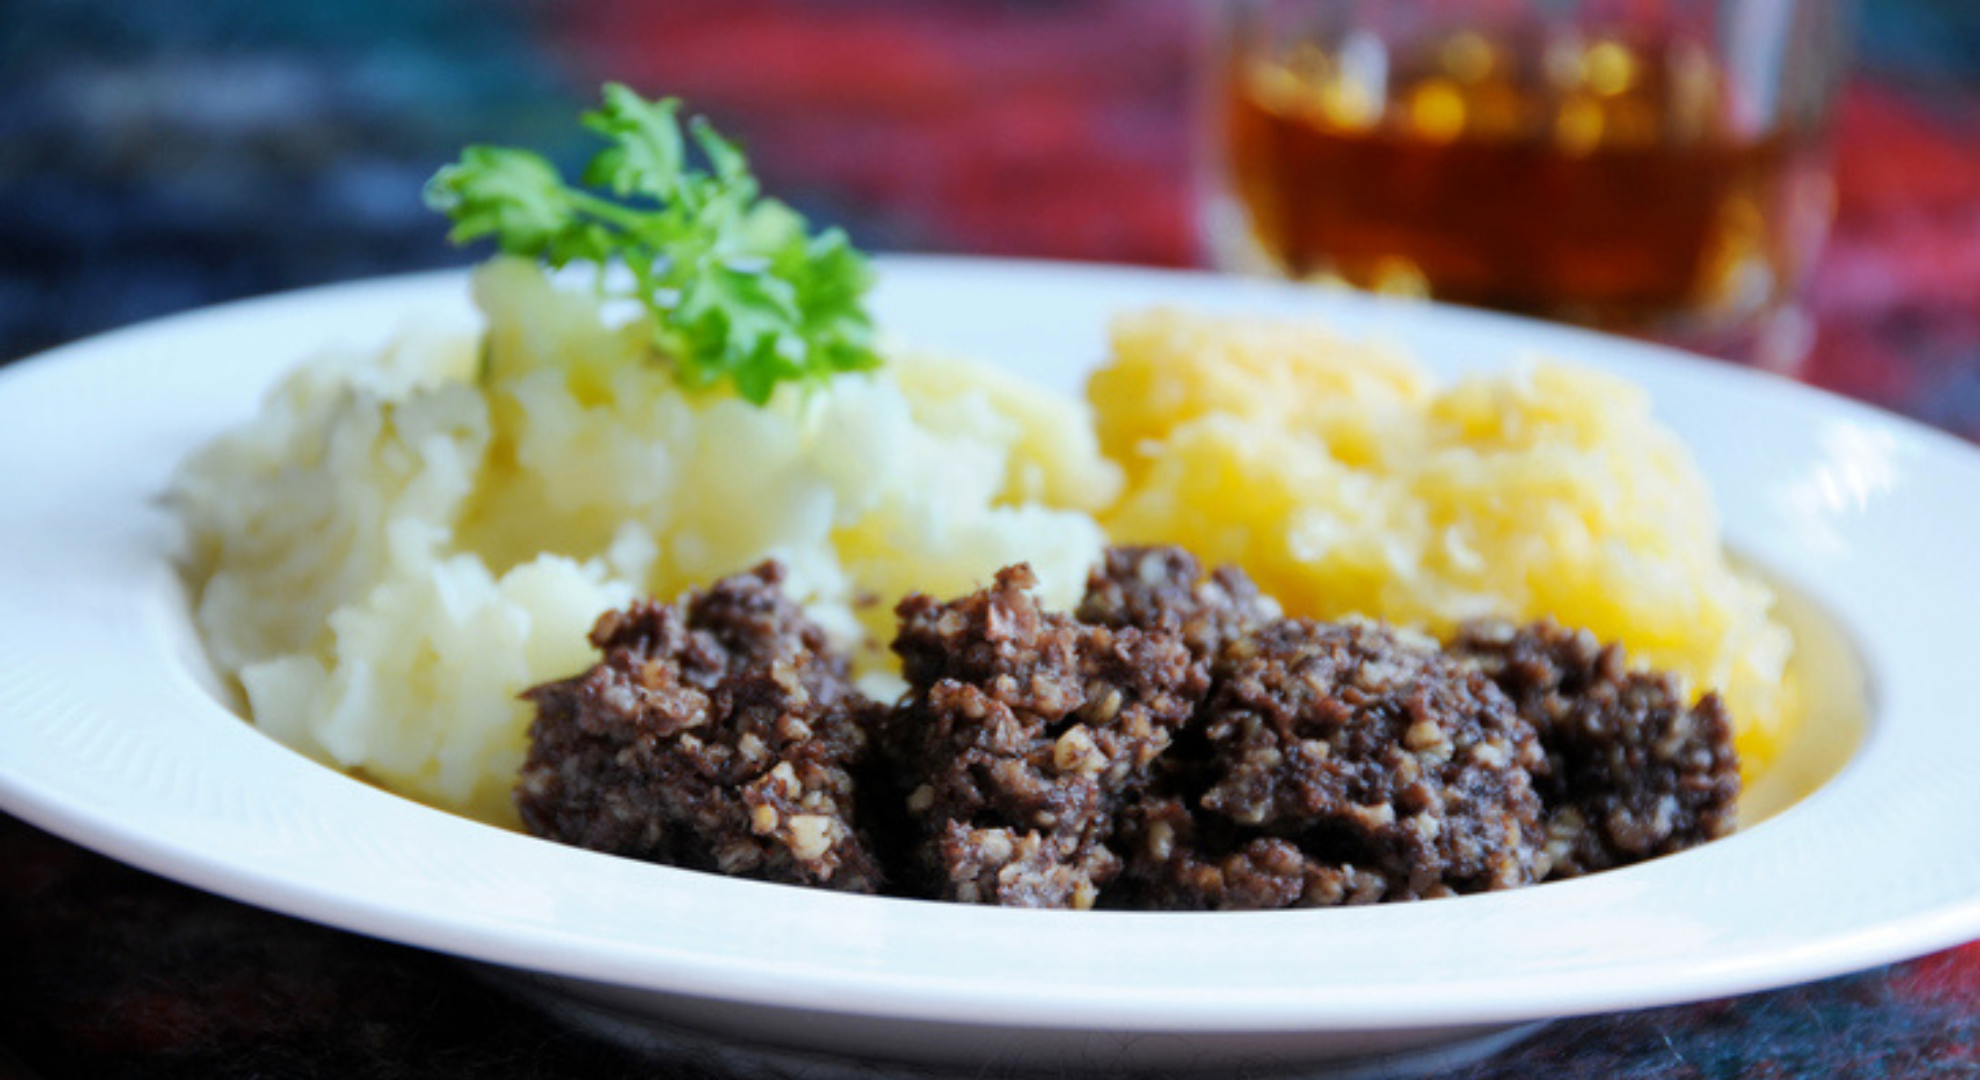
<point>719,733</point>
<point>1174,743</point>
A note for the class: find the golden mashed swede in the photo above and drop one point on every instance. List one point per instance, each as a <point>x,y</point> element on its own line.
<point>1347,481</point>
<point>404,540</point>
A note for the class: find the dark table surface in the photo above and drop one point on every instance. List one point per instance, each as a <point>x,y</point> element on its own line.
<point>161,156</point>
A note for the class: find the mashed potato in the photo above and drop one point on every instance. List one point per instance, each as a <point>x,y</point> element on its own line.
<point>403,541</point>
<point>1346,481</point>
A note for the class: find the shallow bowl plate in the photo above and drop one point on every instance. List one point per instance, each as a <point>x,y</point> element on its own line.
<point>113,736</point>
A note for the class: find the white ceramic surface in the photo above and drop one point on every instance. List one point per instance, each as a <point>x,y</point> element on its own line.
<point>111,735</point>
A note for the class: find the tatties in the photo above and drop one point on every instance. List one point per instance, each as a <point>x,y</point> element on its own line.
<point>404,540</point>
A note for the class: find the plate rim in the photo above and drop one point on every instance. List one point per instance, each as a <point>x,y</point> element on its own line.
<point>1268,1008</point>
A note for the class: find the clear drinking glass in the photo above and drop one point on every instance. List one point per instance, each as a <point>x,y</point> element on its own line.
<point>1650,166</point>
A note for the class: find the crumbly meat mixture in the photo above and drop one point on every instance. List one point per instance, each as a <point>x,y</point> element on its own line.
<point>1025,732</point>
<point>1165,588</point>
<point>1352,763</point>
<point>718,733</point>
<point>1632,771</point>
<point>1174,744</point>
<point>1179,859</point>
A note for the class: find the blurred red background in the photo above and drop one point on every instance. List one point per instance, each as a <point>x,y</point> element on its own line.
<point>1060,131</point>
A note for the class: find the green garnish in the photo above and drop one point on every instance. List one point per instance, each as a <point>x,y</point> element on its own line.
<point>737,288</point>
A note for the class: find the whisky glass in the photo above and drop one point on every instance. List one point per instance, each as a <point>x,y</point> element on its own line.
<point>1658,167</point>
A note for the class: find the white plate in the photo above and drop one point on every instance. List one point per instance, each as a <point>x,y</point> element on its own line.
<point>109,735</point>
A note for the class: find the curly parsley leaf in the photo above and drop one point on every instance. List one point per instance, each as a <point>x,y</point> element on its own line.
<point>738,289</point>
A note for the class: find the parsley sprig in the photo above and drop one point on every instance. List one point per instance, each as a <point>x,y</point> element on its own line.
<point>737,287</point>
